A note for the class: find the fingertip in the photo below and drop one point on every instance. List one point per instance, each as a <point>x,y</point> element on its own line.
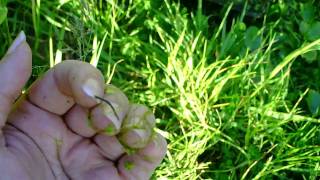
<point>86,94</point>
<point>88,83</point>
<point>156,150</point>
<point>15,68</point>
<point>135,138</point>
<point>81,81</point>
<point>17,42</point>
<point>19,59</point>
<point>133,167</point>
<point>62,86</point>
<point>142,164</point>
<point>137,127</point>
<point>24,57</point>
<point>107,117</point>
<point>92,88</point>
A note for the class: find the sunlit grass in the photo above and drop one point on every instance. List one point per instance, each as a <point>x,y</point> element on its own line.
<point>221,106</point>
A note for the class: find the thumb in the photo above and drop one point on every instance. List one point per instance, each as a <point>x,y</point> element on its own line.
<point>15,70</point>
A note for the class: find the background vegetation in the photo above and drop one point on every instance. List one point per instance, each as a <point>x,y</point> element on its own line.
<point>234,85</point>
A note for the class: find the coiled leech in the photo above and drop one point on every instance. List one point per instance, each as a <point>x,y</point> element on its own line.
<point>107,102</point>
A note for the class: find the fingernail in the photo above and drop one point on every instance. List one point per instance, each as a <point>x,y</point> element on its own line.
<point>16,43</point>
<point>91,88</point>
<point>136,138</point>
<point>110,89</point>
<point>150,119</point>
<point>112,114</point>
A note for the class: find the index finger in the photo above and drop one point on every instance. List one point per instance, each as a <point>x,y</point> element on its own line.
<point>64,85</point>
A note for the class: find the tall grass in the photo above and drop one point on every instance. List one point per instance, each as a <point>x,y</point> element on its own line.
<point>222,106</point>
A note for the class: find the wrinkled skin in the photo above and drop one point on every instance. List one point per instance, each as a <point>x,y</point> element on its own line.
<point>59,130</point>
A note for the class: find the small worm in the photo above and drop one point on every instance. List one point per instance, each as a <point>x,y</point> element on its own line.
<point>107,102</point>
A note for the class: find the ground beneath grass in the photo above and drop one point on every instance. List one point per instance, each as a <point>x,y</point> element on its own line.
<point>235,86</point>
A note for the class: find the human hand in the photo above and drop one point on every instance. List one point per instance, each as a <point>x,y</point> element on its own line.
<point>59,130</point>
